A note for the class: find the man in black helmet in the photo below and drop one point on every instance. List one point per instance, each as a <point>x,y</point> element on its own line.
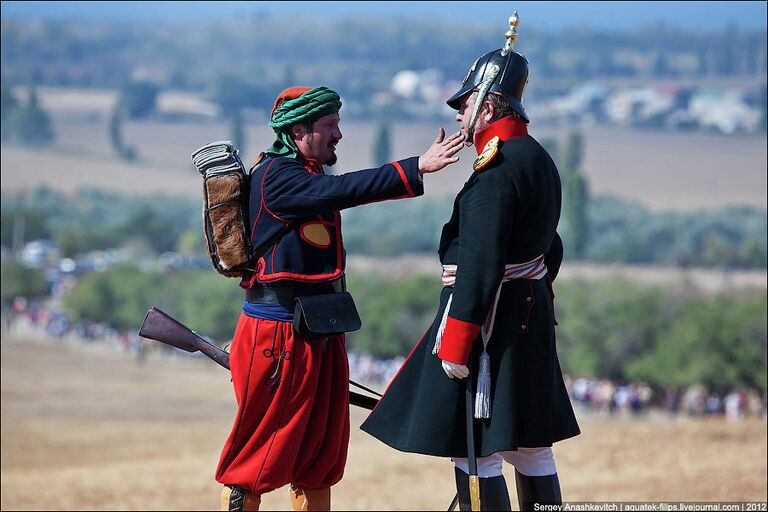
<point>495,322</point>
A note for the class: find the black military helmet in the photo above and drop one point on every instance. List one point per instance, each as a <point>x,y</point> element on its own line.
<point>510,80</point>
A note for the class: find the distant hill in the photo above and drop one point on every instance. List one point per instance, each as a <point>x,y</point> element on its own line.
<point>539,15</point>
<point>243,61</point>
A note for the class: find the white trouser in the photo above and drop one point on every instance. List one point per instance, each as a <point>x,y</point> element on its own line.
<point>528,461</point>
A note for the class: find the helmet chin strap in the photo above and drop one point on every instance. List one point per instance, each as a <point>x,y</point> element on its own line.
<point>490,76</point>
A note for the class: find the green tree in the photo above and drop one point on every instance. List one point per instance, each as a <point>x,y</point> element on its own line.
<point>719,343</point>
<point>138,99</point>
<point>755,254</point>
<point>575,223</point>
<point>210,303</point>
<point>237,131</point>
<point>192,241</point>
<point>395,313</point>
<point>8,105</point>
<point>382,147</point>
<point>147,223</point>
<point>551,146</point>
<point>22,223</point>
<point>604,326</point>
<point>29,124</point>
<point>575,227</point>
<point>574,151</point>
<point>231,92</point>
<point>19,281</point>
<point>763,104</point>
<point>95,297</point>
<point>121,296</point>
<point>116,134</point>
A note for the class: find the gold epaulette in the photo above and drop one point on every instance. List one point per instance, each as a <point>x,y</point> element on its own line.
<point>487,154</point>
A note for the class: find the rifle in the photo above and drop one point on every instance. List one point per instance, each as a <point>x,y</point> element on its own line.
<point>159,326</point>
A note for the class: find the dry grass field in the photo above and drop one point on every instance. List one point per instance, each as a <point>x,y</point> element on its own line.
<point>84,428</point>
<point>658,169</point>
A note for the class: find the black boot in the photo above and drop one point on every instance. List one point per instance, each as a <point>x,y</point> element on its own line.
<point>493,492</point>
<point>544,490</point>
<point>462,488</point>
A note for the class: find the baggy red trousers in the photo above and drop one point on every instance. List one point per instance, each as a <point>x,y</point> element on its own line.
<point>292,424</point>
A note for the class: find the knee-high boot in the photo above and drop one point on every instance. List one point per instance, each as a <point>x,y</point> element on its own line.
<point>544,490</point>
<point>493,492</point>
<point>236,499</point>
<point>311,499</point>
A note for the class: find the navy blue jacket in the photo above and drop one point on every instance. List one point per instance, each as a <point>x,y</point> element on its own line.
<point>294,214</point>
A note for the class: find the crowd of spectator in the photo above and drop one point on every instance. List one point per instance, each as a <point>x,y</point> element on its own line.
<point>604,395</point>
<point>636,398</point>
<point>589,395</point>
<point>37,317</point>
<point>697,401</point>
<point>379,372</point>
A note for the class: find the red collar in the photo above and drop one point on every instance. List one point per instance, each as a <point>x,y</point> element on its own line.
<point>311,164</point>
<point>506,128</point>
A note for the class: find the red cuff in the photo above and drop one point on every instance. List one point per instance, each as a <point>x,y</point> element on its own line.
<point>404,178</point>
<point>457,341</point>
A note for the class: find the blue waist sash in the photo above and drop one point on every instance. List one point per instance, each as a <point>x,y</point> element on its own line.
<point>277,312</point>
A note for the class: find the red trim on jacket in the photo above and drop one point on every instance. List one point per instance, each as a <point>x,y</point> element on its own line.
<point>404,178</point>
<point>262,277</point>
<point>457,340</point>
<point>264,199</point>
<point>506,128</point>
<point>401,367</point>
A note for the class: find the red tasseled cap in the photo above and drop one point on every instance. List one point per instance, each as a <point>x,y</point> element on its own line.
<point>290,93</point>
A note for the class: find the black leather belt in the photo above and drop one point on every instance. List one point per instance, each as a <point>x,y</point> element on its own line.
<point>285,294</point>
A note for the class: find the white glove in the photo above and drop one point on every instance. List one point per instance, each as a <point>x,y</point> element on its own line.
<point>455,371</point>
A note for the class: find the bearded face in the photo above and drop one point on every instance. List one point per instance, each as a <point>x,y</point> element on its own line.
<point>320,140</point>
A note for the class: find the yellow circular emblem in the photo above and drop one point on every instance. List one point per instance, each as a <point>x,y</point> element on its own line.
<point>315,233</point>
<point>487,154</point>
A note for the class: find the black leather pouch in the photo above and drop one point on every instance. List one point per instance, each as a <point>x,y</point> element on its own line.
<point>321,316</point>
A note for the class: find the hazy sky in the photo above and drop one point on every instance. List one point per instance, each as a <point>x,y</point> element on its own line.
<point>542,15</point>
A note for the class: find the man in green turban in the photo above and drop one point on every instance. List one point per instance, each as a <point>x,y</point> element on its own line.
<point>300,106</point>
<point>292,424</point>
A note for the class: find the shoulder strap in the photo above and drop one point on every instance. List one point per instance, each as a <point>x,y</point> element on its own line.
<point>260,160</point>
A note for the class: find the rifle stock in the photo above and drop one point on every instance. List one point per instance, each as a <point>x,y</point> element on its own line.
<point>159,326</point>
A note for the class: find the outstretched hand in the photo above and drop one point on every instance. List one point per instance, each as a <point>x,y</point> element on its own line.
<point>441,152</point>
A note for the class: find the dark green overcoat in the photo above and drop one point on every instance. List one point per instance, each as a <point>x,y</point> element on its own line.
<point>506,213</point>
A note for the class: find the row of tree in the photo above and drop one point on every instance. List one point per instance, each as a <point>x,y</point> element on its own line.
<point>617,231</point>
<point>670,336</point>
<point>155,223</point>
<point>24,122</point>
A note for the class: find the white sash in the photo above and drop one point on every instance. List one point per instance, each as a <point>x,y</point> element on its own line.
<point>534,269</point>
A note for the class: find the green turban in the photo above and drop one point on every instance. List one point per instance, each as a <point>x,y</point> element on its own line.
<point>299,105</point>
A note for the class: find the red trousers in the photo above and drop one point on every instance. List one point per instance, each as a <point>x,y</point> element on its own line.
<point>292,424</point>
